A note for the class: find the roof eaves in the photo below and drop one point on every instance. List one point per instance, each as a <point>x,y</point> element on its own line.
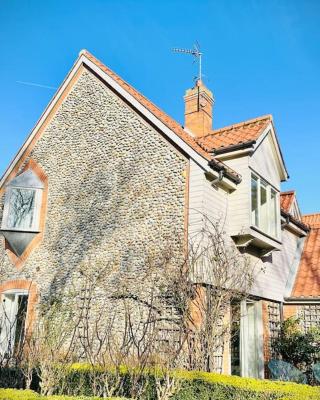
<point>241,124</point>
<point>233,147</point>
<point>299,224</point>
<point>229,173</point>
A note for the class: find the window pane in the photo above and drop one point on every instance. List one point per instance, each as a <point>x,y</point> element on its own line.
<point>21,208</point>
<point>263,207</point>
<point>20,321</point>
<point>12,322</point>
<point>254,201</point>
<point>273,213</point>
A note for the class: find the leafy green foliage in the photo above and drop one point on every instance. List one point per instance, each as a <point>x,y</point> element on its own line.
<point>195,385</point>
<point>297,347</point>
<point>14,394</point>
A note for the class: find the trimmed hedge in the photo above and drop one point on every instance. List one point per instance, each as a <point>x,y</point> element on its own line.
<point>194,386</point>
<point>233,387</point>
<point>16,394</point>
<point>207,386</point>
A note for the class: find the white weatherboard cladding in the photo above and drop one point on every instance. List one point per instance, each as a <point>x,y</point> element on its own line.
<point>239,200</point>
<point>272,274</point>
<point>263,161</point>
<point>206,204</point>
<point>205,200</point>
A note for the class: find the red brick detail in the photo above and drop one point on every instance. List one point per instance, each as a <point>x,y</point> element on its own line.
<point>33,298</point>
<point>19,261</point>
<point>290,311</point>
<point>266,331</point>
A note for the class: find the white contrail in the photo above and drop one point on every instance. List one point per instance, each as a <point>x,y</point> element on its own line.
<point>36,84</point>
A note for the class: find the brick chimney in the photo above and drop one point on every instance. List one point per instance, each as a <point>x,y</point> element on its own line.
<point>198,109</point>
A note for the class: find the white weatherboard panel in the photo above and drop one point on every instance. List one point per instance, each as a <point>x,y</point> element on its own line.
<point>272,275</point>
<point>264,162</point>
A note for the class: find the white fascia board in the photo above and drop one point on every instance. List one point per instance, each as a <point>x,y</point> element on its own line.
<point>234,154</point>
<point>41,120</point>
<point>203,162</point>
<point>301,300</point>
<point>261,138</point>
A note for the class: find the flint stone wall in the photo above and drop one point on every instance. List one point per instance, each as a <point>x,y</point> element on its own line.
<point>116,188</point>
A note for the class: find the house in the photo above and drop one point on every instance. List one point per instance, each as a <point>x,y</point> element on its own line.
<point>104,165</point>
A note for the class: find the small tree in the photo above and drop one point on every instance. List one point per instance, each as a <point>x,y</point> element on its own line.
<point>214,276</point>
<point>296,346</point>
<point>47,347</point>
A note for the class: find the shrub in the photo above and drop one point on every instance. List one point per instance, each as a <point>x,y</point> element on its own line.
<point>208,386</point>
<point>14,394</point>
<point>193,386</point>
<point>296,346</point>
<point>11,378</point>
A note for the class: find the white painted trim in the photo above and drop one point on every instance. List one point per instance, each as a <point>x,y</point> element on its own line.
<point>234,154</point>
<point>41,120</point>
<point>202,161</point>
<point>18,292</point>
<point>301,300</point>
<point>294,267</point>
<point>263,135</point>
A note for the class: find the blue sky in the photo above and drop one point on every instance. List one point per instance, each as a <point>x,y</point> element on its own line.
<point>260,57</point>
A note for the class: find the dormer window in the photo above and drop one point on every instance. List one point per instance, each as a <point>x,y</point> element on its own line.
<point>265,211</point>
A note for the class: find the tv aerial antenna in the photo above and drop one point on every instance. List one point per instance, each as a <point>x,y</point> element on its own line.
<point>195,52</point>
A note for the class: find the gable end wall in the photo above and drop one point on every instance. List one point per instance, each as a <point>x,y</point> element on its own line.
<point>111,178</point>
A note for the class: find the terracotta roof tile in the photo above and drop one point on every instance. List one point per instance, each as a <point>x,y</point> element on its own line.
<point>235,134</point>
<point>170,122</point>
<point>163,117</point>
<point>286,199</point>
<point>313,220</point>
<point>307,283</point>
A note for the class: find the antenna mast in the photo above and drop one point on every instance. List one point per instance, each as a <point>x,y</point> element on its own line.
<point>194,52</point>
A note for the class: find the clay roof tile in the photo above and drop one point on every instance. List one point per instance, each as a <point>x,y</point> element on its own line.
<point>307,283</point>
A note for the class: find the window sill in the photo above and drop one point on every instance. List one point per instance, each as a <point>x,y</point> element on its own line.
<point>276,239</point>
<point>5,229</point>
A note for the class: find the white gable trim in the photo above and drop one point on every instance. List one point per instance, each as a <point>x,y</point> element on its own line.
<point>202,161</point>
<point>41,120</point>
<point>278,156</point>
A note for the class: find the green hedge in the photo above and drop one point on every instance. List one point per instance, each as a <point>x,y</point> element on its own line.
<point>210,386</point>
<point>194,386</point>
<point>15,394</point>
<point>206,386</point>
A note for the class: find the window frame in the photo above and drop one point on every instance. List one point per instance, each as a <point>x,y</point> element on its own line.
<point>269,189</point>
<point>36,211</point>
<point>8,345</point>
